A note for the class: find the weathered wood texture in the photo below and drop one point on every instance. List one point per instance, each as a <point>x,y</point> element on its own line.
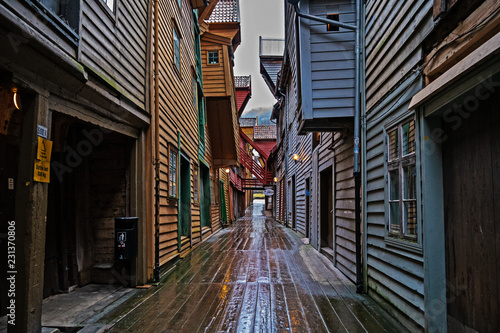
<point>329,56</point>
<point>257,276</point>
<point>178,117</point>
<point>395,31</point>
<point>113,45</point>
<point>341,158</point>
<point>472,219</point>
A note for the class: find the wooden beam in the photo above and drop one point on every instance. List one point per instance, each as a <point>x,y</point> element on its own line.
<point>480,55</point>
<point>449,51</point>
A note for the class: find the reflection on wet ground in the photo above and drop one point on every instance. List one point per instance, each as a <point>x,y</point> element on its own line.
<point>255,276</point>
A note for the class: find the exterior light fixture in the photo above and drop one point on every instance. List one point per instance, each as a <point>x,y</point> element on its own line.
<point>275,179</point>
<point>295,157</point>
<point>14,98</point>
<point>227,170</point>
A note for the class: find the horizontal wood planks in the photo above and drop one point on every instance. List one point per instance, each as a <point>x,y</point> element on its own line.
<point>395,31</point>
<point>113,45</point>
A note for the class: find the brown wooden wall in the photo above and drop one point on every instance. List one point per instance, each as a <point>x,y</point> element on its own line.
<point>214,81</point>
<point>114,45</point>
<point>178,114</point>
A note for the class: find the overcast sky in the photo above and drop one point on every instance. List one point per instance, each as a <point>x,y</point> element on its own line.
<point>258,18</point>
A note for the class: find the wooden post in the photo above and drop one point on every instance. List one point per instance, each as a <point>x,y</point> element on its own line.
<point>31,218</point>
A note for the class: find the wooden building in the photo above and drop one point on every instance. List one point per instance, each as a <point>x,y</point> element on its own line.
<point>197,129</point>
<point>75,112</point>
<point>431,155</point>
<point>314,158</point>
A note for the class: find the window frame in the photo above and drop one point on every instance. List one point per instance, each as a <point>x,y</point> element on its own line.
<point>175,193</point>
<point>218,63</point>
<point>402,239</point>
<point>196,184</point>
<point>176,33</point>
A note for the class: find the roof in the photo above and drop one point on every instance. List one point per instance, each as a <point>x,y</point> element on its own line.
<point>226,11</point>
<point>264,132</point>
<point>248,122</point>
<point>242,81</point>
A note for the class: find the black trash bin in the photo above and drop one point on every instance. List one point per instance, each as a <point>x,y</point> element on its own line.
<point>126,237</point>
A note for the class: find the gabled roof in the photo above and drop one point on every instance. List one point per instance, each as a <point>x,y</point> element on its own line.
<point>248,122</point>
<point>226,11</point>
<point>264,132</point>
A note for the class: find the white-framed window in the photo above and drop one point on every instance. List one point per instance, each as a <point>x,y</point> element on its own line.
<point>177,49</point>
<point>172,174</point>
<point>402,219</point>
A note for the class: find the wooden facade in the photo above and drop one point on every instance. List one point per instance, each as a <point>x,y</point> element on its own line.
<point>433,82</point>
<point>315,193</point>
<point>80,74</point>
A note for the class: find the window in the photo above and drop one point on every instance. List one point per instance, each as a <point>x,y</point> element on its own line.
<point>196,180</point>
<point>65,12</point>
<point>402,181</point>
<point>333,17</point>
<point>316,137</point>
<point>172,190</point>
<point>195,92</point>
<point>179,2</point>
<point>177,50</point>
<point>213,57</point>
<point>212,191</point>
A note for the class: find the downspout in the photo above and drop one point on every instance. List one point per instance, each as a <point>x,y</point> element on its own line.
<point>156,272</point>
<point>357,111</point>
<point>357,173</point>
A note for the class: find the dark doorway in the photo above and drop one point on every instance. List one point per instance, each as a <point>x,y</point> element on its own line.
<point>308,204</point>
<point>471,182</point>
<point>326,210</point>
<point>10,139</point>
<point>185,197</point>
<point>222,202</point>
<point>204,196</point>
<point>89,187</point>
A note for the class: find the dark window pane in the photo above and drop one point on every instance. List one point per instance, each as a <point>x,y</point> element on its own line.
<point>408,130</point>
<point>394,185</point>
<point>394,218</point>
<point>410,182</point>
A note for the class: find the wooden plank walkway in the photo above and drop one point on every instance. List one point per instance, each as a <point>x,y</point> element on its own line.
<point>256,276</point>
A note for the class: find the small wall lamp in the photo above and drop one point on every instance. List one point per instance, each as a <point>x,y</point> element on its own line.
<point>227,170</point>
<point>295,157</point>
<point>275,179</point>
<point>14,98</point>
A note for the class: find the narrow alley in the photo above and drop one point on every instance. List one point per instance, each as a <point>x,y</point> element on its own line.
<point>253,276</point>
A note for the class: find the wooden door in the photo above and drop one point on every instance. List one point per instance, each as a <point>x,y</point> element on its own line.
<point>315,204</point>
<point>204,196</point>
<point>471,181</point>
<point>326,208</point>
<point>185,197</point>
<point>308,204</point>
<point>294,200</point>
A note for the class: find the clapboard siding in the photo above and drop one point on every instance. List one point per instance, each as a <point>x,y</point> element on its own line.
<point>178,119</point>
<point>114,46</point>
<point>395,31</point>
<point>328,60</point>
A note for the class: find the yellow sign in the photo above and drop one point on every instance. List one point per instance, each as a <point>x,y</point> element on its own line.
<point>44,149</point>
<point>42,172</point>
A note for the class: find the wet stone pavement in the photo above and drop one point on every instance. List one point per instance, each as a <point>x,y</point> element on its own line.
<point>255,276</point>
